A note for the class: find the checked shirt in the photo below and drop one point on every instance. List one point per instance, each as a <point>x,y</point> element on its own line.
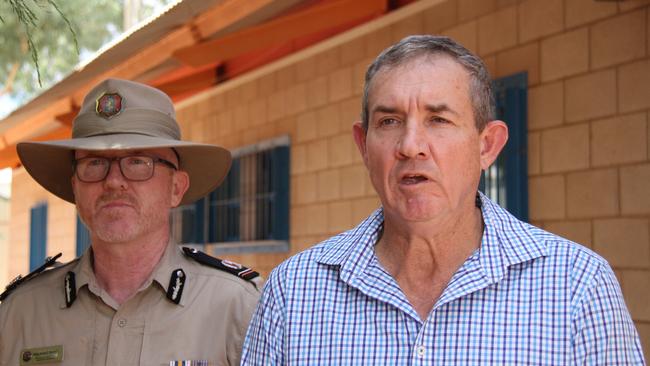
<point>526,297</point>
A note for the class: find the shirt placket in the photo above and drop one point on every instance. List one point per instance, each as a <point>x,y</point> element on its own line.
<point>469,279</point>
<point>125,337</point>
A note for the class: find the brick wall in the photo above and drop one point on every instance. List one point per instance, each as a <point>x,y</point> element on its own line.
<point>588,65</point>
<point>61,223</point>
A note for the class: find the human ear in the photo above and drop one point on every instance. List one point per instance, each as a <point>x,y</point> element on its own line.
<point>180,185</point>
<point>492,139</point>
<point>359,134</point>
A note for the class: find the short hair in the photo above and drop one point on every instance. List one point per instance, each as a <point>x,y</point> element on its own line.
<point>413,47</point>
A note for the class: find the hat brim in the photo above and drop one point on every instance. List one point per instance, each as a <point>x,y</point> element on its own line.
<point>50,162</point>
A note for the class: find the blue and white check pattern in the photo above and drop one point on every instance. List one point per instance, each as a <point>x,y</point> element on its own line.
<point>526,297</point>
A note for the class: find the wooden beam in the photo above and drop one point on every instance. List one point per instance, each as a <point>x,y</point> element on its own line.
<point>9,155</point>
<point>241,64</point>
<point>67,118</point>
<point>27,128</point>
<point>320,17</point>
<point>226,14</point>
<point>195,81</point>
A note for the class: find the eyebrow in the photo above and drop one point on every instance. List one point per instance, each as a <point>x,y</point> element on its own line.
<point>432,108</point>
<point>438,108</point>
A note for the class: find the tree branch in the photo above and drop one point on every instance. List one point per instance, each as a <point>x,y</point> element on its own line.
<point>9,83</point>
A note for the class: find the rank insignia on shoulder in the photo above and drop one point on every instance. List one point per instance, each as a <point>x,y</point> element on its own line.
<point>49,262</point>
<point>70,287</point>
<point>222,264</point>
<point>176,284</point>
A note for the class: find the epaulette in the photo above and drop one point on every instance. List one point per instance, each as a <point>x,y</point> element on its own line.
<point>222,264</point>
<point>49,262</point>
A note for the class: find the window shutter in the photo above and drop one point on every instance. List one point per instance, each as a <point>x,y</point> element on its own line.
<point>83,237</point>
<point>280,198</point>
<point>506,182</point>
<point>37,235</point>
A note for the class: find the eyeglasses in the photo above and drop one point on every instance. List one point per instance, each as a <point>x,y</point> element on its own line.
<point>134,167</point>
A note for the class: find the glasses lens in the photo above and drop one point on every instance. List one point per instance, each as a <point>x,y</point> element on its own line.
<point>137,167</point>
<point>92,169</point>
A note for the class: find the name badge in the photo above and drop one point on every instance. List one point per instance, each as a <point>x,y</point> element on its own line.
<point>190,363</point>
<point>39,356</point>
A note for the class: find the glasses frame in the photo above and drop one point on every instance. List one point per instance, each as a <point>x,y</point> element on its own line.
<point>154,159</point>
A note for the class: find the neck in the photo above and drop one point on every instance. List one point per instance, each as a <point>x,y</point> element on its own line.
<point>122,268</point>
<point>422,257</point>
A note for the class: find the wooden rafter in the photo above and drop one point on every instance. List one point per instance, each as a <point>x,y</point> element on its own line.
<point>226,14</point>
<point>241,64</point>
<point>190,83</point>
<point>320,17</point>
<point>9,155</point>
<point>67,118</point>
<point>33,124</point>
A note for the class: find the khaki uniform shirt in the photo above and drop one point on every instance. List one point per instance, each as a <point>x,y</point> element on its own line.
<point>207,326</point>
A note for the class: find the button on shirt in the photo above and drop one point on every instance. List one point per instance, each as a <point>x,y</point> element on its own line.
<point>207,325</point>
<point>525,297</point>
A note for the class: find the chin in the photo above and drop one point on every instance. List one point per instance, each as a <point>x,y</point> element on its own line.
<point>417,212</point>
<point>115,236</point>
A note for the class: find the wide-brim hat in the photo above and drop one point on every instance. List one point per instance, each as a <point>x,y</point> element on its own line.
<point>124,115</point>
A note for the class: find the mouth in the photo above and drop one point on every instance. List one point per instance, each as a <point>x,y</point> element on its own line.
<point>115,203</point>
<point>414,178</point>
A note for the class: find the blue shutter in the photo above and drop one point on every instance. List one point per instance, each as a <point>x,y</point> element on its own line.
<point>280,197</point>
<point>232,196</point>
<point>83,237</point>
<point>225,208</point>
<point>37,235</point>
<point>507,181</point>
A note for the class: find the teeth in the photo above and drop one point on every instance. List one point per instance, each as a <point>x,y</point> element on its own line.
<point>413,179</point>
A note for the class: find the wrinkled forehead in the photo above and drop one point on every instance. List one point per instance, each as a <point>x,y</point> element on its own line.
<point>424,63</point>
<point>427,74</point>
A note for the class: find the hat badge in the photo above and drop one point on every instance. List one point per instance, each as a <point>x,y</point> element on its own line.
<point>109,105</point>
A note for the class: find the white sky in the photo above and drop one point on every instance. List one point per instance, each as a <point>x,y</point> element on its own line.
<point>5,182</point>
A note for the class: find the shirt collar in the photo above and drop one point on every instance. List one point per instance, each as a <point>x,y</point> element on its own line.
<point>171,260</point>
<point>354,249</point>
<point>506,241</point>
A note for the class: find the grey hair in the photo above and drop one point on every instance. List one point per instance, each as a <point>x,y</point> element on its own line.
<point>412,47</point>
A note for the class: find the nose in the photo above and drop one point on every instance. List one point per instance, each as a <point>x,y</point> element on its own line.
<point>114,178</point>
<point>412,143</point>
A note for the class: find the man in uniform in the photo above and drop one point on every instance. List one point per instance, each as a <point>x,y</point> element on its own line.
<point>439,275</point>
<point>134,297</point>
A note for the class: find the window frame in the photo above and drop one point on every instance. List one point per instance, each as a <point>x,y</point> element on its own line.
<point>511,167</point>
<point>37,235</point>
<point>203,224</point>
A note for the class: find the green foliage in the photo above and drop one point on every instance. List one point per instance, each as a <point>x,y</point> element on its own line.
<point>47,38</point>
<point>43,28</point>
<point>29,20</point>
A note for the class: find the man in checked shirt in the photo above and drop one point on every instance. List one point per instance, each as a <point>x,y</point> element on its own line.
<point>439,274</point>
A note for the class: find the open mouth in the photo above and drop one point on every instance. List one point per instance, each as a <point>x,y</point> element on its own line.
<point>413,179</point>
